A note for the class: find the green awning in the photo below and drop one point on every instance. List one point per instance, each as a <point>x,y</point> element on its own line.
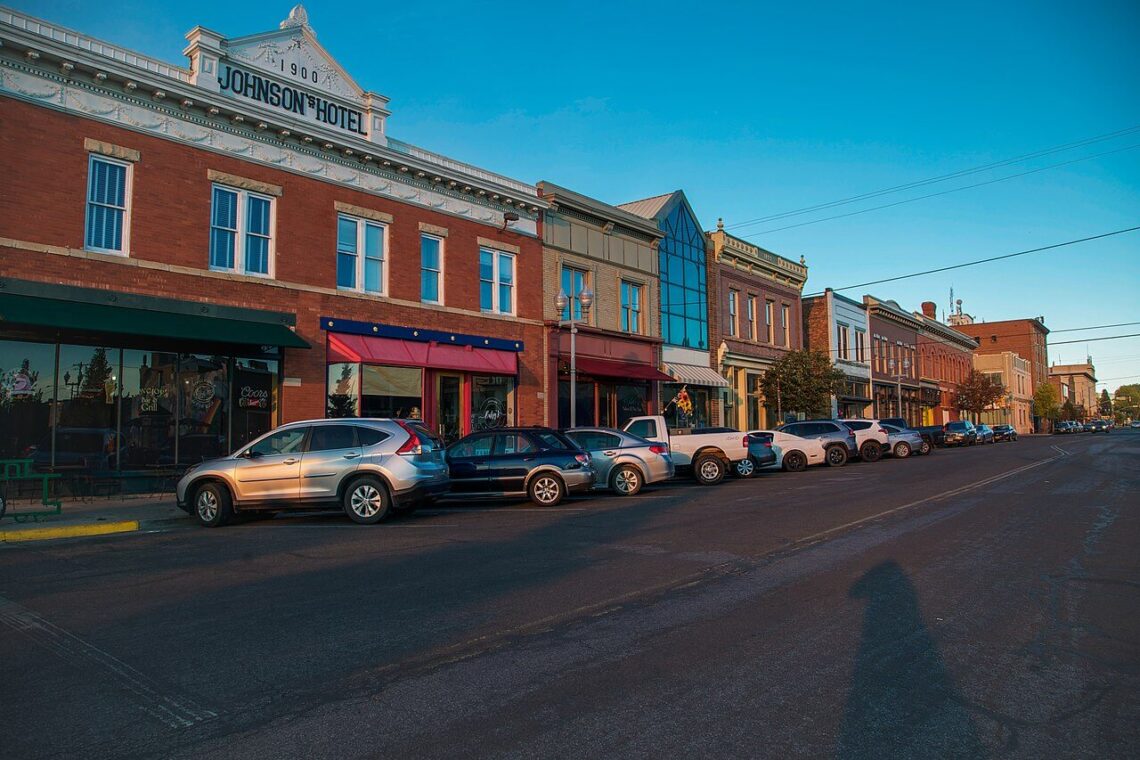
<point>105,318</point>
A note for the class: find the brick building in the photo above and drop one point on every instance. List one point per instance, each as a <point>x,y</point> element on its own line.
<point>190,256</point>
<point>944,360</point>
<point>895,387</point>
<point>590,245</point>
<point>1028,338</point>
<point>839,326</point>
<point>756,319</point>
<point>1080,379</point>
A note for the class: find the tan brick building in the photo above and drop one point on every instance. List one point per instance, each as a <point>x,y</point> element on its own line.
<point>592,245</point>
<point>1016,408</point>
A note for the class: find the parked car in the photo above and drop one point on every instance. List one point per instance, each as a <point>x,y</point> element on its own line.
<point>623,462</point>
<point>1135,424</point>
<point>872,437</point>
<point>1005,433</point>
<point>761,453</point>
<point>367,467</point>
<point>960,433</point>
<point>539,463</point>
<point>931,434</point>
<point>813,442</point>
<point>708,454</point>
<point>1099,426</point>
<point>985,434</point>
<point>903,441</point>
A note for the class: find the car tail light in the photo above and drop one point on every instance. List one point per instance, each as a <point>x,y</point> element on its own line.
<point>744,442</point>
<point>582,458</point>
<point>412,446</point>
<point>659,449</point>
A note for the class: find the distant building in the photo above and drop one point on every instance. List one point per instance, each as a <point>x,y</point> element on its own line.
<point>944,361</point>
<point>895,386</point>
<point>756,320</point>
<point>1028,338</point>
<point>1016,407</point>
<point>838,326</point>
<point>1081,381</point>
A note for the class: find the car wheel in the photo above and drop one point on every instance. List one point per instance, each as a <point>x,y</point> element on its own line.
<point>626,481</point>
<point>212,505</point>
<point>546,490</point>
<point>794,461</point>
<point>366,501</point>
<point>836,456</point>
<point>926,448</point>
<point>709,469</point>
<point>745,468</point>
<point>872,451</point>
<point>902,449</point>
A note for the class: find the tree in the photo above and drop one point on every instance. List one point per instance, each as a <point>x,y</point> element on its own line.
<point>803,381</point>
<point>1127,402</point>
<point>1045,402</point>
<point>979,391</point>
<point>1105,404</point>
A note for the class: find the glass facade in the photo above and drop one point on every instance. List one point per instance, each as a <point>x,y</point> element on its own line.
<point>684,292</point>
<point>105,414</point>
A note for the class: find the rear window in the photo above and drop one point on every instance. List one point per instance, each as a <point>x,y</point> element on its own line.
<point>857,425</point>
<point>957,427</point>
<point>548,439</point>
<point>370,436</point>
<point>643,428</point>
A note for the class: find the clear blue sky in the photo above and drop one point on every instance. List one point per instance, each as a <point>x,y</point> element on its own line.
<point>760,108</point>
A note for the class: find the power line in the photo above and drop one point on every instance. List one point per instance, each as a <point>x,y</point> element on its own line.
<point>934,195</point>
<point>934,180</point>
<point>1094,340</point>
<point>1098,327</point>
<point>983,261</point>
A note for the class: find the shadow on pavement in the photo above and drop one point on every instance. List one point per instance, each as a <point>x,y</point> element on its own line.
<point>903,703</point>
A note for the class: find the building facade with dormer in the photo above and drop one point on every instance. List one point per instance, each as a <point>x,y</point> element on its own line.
<point>695,397</point>
<point>591,246</point>
<point>190,255</point>
<point>756,320</point>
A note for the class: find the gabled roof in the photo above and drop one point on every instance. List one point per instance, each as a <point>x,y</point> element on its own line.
<point>648,208</point>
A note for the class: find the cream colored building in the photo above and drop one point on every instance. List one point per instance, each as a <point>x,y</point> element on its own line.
<point>1016,408</point>
<point>1081,379</point>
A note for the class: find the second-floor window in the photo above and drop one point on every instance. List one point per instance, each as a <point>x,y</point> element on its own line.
<point>860,346</point>
<point>843,349</point>
<point>360,255</point>
<point>770,319</point>
<point>733,297</point>
<point>496,281</point>
<point>241,231</point>
<point>108,205</point>
<point>751,318</point>
<point>786,324</point>
<point>573,282</point>
<point>431,269</point>
<point>630,307</point>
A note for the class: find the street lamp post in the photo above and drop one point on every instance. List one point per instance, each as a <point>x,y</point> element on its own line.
<point>898,382</point>
<point>584,299</point>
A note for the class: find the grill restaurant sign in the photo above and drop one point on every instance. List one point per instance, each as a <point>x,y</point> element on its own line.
<point>287,97</point>
<point>287,72</point>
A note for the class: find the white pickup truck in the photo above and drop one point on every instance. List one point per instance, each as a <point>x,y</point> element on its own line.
<point>709,455</point>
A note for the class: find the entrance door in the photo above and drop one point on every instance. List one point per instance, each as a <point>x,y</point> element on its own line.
<point>447,405</point>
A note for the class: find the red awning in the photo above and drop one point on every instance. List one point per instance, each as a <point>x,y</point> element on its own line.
<point>611,368</point>
<point>406,353</point>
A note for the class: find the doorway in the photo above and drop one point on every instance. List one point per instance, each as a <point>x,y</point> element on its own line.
<point>448,412</point>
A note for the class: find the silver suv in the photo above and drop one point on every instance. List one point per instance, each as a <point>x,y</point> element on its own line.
<point>367,467</point>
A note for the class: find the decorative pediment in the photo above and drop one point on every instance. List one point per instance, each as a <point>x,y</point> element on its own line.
<point>293,54</point>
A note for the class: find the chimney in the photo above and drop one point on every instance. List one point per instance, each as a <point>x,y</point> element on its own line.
<point>929,310</point>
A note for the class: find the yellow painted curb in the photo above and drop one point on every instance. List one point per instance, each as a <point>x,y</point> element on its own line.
<point>69,531</point>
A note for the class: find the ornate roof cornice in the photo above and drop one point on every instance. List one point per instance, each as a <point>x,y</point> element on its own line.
<point>744,256</point>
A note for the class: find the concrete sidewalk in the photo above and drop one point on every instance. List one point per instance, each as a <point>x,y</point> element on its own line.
<point>94,517</point>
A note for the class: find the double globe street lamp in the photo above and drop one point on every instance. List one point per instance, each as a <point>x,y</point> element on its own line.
<point>903,370</point>
<point>582,301</point>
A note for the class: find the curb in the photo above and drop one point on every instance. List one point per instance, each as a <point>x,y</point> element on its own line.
<point>68,531</point>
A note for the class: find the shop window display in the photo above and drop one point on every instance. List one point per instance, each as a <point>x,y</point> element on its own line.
<point>27,389</point>
<point>391,391</point>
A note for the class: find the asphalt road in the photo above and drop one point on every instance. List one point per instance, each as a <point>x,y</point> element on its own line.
<point>973,603</point>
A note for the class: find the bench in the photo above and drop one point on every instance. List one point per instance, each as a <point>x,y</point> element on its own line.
<point>16,470</point>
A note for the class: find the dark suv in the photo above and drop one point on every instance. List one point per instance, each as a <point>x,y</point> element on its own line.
<point>539,463</point>
<point>961,433</point>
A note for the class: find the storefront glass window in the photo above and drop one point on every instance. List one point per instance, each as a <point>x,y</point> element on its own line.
<point>344,390</point>
<point>203,425</point>
<point>391,391</point>
<point>584,403</point>
<point>490,401</point>
<point>27,387</point>
<point>631,402</point>
<point>677,411</point>
<point>86,437</point>
<point>255,399</point>
<point>149,394</point>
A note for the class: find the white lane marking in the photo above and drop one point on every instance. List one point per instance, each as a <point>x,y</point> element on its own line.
<point>498,510</point>
<point>357,527</point>
<point>936,497</point>
<point>1063,452</point>
<point>173,710</point>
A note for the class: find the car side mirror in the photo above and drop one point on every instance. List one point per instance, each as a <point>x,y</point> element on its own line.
<point>251,454</point>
